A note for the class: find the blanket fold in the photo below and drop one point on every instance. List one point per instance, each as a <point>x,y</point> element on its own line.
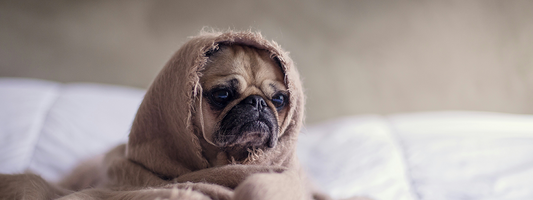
<point>164,157</point>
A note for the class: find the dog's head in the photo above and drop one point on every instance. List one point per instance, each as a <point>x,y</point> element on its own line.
<point>220,96</point>
<point>244,100</point>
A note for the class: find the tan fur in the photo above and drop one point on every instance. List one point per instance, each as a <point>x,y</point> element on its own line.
<point>255,71</point>
<point>167,156</point>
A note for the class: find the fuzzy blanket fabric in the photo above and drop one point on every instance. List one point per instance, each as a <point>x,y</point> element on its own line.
<point>163,157</point>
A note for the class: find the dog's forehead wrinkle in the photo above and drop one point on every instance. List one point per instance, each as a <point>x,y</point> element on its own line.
<point>242,65</point>
<point>232,81</point>
<point>273,86</point>
<point>254,90</point>
<point>254,64</point>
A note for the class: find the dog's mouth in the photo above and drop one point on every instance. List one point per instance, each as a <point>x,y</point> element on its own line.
<point>251,134</point>
<point>239,132</point>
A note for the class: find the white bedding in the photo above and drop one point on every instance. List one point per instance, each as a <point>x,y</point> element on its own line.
<point>48,127</point>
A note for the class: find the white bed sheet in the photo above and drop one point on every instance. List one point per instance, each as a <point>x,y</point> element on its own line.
<point>48,127</point>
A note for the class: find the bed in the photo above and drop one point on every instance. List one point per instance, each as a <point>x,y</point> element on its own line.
<point>47,127</point>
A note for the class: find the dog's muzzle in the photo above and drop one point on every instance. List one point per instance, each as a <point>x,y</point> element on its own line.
<point>249,124</point>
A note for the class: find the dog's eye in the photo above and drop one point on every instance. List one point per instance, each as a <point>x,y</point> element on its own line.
<point>222,96</point>
<point>279,100</point>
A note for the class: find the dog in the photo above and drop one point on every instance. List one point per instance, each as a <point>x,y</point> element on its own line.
<point>220,121</point>
<point>245,103</point>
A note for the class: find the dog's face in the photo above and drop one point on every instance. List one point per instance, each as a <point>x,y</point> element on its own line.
<point>244,100</point>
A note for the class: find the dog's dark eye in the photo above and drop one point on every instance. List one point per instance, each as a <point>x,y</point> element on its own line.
<point>279,100</point>
<point>222,96</point>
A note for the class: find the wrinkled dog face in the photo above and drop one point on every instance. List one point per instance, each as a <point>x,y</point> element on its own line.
<point>244,100</point>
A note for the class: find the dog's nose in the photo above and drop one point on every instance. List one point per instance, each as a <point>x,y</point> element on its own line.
<point>256,101</point>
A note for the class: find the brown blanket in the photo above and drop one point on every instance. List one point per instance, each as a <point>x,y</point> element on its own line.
<point>164,159</point>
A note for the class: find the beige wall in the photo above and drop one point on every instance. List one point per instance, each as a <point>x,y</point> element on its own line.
<point>355,56</point>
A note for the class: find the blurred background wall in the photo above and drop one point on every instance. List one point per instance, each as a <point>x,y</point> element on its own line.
<point>355,57</point>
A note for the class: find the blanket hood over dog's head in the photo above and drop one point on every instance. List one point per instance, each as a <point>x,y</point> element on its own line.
<point>163,137</point>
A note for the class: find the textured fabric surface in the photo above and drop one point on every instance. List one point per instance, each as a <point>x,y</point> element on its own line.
<point>468,155</point>
<point>47,127</point>
<point>24,105</point>
<point>355,155</point>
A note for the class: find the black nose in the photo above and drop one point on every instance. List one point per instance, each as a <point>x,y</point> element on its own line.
<point>256,101</point>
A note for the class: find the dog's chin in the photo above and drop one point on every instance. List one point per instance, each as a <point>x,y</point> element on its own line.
<point>254,134</point>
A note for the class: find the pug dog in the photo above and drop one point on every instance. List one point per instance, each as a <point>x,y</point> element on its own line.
<point>220,121</point>
<point>244,103</point>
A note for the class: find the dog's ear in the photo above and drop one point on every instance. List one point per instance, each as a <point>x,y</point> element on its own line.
<point>212,51</point>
